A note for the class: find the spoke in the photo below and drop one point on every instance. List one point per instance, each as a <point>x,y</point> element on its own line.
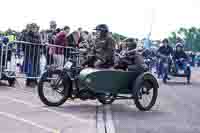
<point>50,93</point>
<point>146,98</point>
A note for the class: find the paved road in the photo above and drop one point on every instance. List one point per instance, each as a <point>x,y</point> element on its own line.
<point>22,112</point>
<point>177,111</point>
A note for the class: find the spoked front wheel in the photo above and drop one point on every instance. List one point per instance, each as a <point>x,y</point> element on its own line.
<point>146,97</point>
<point>53,90</point>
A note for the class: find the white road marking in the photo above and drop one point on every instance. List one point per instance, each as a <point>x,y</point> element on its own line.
<point>50,110</point>
<point>22,88</point>
<point>100,120</point>
<point>11,116</point>
<point>43,108</point>
<point>109,120</point>
<point>104,119</point>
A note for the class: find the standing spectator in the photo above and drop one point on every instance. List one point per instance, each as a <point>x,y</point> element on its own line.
<point>52,32</point>
<point>32,53</point>
<point>51,35</point>
<point>74,39</point>
<point>80,31</point>
<point>85,35</point>
<point>43,36</point>
<point>61,40</point>
<point>84,41</point>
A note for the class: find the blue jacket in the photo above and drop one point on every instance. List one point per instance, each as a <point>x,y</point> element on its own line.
<point>165,50</point>
<point>179,55</point>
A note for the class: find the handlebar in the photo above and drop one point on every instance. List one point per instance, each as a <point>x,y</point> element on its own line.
<point>75,53</point>
<point>181,59</point>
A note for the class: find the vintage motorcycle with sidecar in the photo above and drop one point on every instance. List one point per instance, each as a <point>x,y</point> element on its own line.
<point>181,68</point>
<point>177,68</point>
<point>106,85</point>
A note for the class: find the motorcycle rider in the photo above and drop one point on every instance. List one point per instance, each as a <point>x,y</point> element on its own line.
<point>164,53</point>
<point>137,59</point>
<point>180,56</point>
<point>134,60</point>
<point>103,48</point>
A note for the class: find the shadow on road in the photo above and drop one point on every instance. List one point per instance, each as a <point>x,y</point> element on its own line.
<point>182,83</point>
<point>173,83</point>
<point>3,84</point>
<point>128,111</point>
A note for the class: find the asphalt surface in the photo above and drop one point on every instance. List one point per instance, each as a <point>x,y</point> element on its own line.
<point>22,112</point>
<point>176,111</point>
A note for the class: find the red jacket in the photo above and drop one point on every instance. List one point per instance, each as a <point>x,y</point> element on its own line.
<point>61,40</point>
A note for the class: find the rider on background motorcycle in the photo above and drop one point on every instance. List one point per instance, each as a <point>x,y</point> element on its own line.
<point>164,53</point>
<point>165,50</point>
<point>180,56</point>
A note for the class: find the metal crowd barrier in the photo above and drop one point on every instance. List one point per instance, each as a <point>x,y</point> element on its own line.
<point>30,60</point>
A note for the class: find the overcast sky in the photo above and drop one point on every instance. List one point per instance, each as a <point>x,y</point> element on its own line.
<point>128,17</point>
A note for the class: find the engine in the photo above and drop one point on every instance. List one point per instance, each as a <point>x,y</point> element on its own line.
<point>86,94</point>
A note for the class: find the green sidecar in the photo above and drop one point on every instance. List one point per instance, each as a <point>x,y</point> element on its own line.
<point>105,85</point>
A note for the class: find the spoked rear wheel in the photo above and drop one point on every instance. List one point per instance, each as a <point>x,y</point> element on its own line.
<point>146,97</point>
<point>52,90</point>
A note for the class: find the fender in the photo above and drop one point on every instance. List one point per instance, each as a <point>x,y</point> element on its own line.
<point>140,80</point>
<point>150,78</point>
<point>64,74</point>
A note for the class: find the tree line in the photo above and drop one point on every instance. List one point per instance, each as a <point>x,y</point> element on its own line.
<point>190,37</point>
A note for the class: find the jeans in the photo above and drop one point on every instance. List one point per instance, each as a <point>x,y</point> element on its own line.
<point>162,69</point>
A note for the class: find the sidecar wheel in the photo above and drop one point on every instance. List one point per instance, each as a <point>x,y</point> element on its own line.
<point>106,98</point>
<point>165,80</point>
<point>146,89</point>
<point>188,75</point>
<point>62,91</point>
<point>188,79</point>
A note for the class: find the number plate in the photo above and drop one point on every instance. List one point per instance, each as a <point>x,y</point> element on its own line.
<point>68,65</point>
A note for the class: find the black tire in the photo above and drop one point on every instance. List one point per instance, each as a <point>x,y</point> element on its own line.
<point>138,104</point>
<point>188,73</point>
<point>165,80</point>
<point>11,82</point>
<point>106,99</point>
<point>66,84</point>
